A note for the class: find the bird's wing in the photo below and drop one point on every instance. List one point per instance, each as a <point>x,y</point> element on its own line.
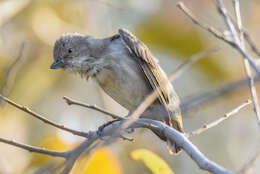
<point>159,81</point>
<point>149,65</point>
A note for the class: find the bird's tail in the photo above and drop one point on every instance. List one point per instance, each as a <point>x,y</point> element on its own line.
<point>171,118</point>
<point>175,123</point>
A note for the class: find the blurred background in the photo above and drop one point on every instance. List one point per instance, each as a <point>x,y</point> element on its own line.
<point>35,25</point>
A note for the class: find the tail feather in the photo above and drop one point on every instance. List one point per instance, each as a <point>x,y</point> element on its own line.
<point>173,119</point>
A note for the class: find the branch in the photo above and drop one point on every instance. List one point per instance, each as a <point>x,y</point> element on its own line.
<point>70,101</point>
<point>246,63</point>
<point>175,136</point>
<point>156,126</point>
<point>202,25</point>
<point>38,116</point>
<point>72,155</point>
<point>218,121</point>
<point>217,34</point>
<point>236,42</point>
<point>34,149</point>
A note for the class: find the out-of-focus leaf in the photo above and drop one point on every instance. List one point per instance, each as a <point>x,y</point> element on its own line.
<point>102,161</point>
<point>152,161</point>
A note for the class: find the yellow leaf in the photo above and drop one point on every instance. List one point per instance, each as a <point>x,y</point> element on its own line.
<point>102,161</point>
<point>152,161</point>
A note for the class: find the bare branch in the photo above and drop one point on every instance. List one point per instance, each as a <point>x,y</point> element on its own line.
<point>175,136</point>
<point>218,121</point>
<point>70,101</point>
<point>156,126</point>
<point>34,149</point>
<point>11,72</point>
<point>237,42</point>
<point>227,20</point>
<point>246,63</point>
<point>204,26</point>
<point>248,166</point>
<point>38,116</point>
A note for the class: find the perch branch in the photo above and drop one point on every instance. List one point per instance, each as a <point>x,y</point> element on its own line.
<point>173,135</point>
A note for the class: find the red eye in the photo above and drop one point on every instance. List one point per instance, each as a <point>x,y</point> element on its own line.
<point>70,50</point>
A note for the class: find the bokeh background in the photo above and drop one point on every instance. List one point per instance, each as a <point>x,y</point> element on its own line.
<point>172,38</point>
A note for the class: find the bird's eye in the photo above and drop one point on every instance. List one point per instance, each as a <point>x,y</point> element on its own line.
<point>70,50</point>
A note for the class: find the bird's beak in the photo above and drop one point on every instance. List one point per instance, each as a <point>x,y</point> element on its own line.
<point>56,64</point>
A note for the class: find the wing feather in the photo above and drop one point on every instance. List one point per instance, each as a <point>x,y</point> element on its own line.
<point>149,65</point>
<point>158,80</point>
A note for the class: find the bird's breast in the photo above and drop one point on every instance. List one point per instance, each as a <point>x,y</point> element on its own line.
<point>125,83</point>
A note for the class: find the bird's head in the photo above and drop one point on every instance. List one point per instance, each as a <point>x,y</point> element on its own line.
<point>72,52</point>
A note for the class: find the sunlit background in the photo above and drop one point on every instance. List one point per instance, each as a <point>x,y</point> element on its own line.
<point>170,35</point>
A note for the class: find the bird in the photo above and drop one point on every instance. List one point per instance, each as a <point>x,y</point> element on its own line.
<point>124,67</point>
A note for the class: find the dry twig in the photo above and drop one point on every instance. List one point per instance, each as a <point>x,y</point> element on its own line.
<point>237,42</point>
<point>70,101</point>
<point>221,119</point>
<point>34,149</point>
<point>249,74</point>
<point>38,116</point>
<point>218,34</point>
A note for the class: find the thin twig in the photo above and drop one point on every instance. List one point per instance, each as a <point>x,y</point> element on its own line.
<point>236,42</point>
<point>38,116</point>
<point>218,121</point>
<point>249,74</point>
<point>70,101</point>
<point>204,26</point>
<point>248,166</point>
<point>11,72</point>
<point>218,35</point>
<point>34,149</point>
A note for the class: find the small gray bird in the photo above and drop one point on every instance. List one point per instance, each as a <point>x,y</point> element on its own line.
<point>125,69</point>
